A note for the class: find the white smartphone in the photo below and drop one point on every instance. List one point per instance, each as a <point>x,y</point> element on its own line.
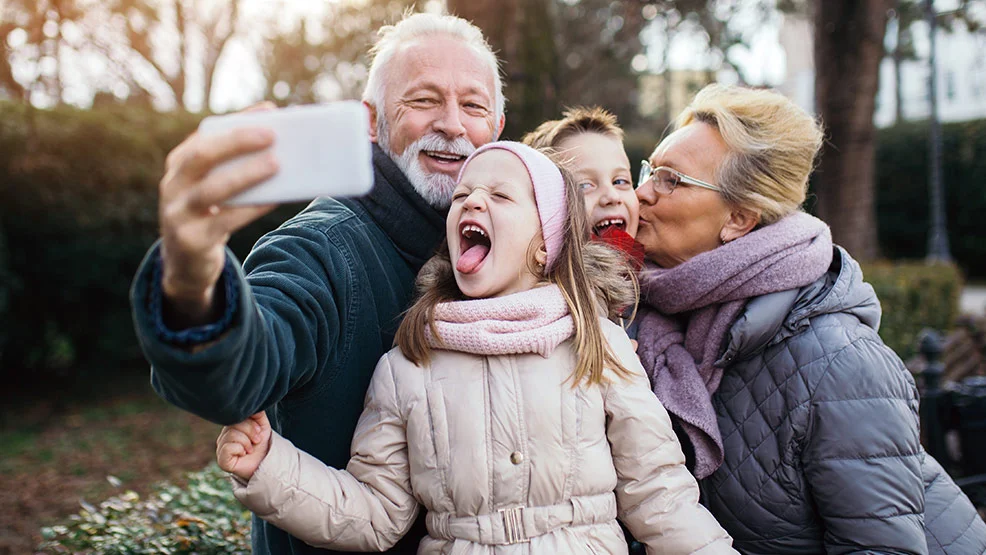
<point>321,150</point>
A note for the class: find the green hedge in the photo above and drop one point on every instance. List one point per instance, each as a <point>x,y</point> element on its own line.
<point>913,296</point>
<point>202,518</point>
<point>78,209</point>
<point>903,198</point>
<point>7,288</point>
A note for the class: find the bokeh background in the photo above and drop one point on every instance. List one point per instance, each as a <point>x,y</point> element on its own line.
<point>94,93</point>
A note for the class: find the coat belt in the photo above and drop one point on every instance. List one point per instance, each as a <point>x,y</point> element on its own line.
<point>520,524</point>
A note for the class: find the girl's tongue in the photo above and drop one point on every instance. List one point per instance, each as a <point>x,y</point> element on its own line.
<point>470,260</point>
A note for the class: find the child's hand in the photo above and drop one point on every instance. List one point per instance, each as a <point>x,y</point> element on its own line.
<point>241,447</point>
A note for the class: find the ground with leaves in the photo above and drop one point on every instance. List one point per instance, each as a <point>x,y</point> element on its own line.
<point>56,457</point>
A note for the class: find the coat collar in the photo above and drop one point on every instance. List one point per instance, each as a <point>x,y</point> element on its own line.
<point>771,318</point>
<point>415,227</point>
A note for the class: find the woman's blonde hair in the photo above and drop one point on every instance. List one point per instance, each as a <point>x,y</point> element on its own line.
<point>773,145</point>
<point>574,121</point>
<point>595,280</point>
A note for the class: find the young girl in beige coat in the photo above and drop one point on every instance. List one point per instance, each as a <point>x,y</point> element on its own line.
<point>512,409</point>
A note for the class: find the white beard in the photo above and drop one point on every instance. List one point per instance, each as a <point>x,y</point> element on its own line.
<point>435,188</point>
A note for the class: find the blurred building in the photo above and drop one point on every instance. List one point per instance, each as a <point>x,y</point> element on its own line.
<point>960,62</point>
<point>661,95</point>
<point>961,71</point>
<point>796,37</point>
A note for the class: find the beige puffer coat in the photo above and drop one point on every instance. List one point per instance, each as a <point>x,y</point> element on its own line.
<point>506,457</point>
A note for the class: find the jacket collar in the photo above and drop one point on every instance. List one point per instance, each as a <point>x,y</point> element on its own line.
<point>415,227</point>
<point>771,318</point>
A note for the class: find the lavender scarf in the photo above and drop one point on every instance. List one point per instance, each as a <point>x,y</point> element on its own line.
<point>686,313</point>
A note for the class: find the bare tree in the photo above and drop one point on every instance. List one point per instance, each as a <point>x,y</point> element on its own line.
<point>323,59</point>
<point>557,53</point>
<point>8,84</point>
<point>144,21</point>
<point>522,34</point>
<point>41,23</point>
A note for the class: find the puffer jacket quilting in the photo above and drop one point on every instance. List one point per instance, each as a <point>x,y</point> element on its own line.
<point>819,421</point>
<point>467,437</point>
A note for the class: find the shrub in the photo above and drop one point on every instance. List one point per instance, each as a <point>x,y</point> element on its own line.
<point>903,198</point>
<point>914,295</point>
<point>7,288</point>
<point>78,210</point>
<point>203,518</point>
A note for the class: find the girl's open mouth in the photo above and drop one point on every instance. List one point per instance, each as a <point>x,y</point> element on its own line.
<point>474,246</point>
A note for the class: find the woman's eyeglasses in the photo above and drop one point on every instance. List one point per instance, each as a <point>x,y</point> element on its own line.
<point>666,180</point>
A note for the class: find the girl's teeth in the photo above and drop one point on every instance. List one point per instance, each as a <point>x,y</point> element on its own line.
<point>473,229</point>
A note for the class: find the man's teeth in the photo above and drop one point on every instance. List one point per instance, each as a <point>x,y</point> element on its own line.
<point>470,229</point>
<point>445,156</point>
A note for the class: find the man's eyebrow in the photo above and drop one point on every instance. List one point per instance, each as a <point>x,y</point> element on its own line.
<point>477,90</point>
<point>472,90</point>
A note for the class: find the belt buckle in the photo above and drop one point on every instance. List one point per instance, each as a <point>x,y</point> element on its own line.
<point>513,525</point>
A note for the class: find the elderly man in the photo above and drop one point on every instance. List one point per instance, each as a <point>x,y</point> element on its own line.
<point>299,328</point>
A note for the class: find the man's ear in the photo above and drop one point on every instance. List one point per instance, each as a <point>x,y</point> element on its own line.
<point>373,120</point>
<point>499,126</point>
<point>741,221</point>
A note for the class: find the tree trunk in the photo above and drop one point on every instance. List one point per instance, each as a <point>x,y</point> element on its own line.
<point>178,82</point>
<point>217,35</point>
<point>848,49</point>
<point>898,63</point>
<point>522,35</point>
<point>498,21</point>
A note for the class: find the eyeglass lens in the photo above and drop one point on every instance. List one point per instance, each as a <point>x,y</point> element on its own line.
<point>664,180</point>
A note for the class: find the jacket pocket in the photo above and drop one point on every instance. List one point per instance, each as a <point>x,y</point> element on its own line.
<point>439,426</point>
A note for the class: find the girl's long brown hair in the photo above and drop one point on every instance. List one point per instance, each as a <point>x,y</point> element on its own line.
<point>595,279</point>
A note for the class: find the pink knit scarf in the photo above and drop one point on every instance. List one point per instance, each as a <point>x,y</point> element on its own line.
<point>533,321</point>
<point>686,313</point>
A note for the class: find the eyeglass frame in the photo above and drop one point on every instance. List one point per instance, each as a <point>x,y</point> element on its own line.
<point>645,168</point>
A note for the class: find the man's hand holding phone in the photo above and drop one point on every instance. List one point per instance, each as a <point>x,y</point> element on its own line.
<point>234,170</point>
<point>195,224</point>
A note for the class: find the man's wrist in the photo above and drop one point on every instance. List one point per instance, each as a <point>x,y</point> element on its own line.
<point>187,308</point>
<point>199,331</point>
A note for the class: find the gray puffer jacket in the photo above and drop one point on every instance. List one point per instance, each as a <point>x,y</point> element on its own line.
<point>819,421</point>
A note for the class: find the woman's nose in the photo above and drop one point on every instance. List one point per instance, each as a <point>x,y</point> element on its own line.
<point>646,194</point>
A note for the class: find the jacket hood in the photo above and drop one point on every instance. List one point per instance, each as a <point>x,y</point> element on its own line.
<point>774,317</point>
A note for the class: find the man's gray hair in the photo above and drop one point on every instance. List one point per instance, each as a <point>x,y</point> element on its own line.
<point>418,25</point>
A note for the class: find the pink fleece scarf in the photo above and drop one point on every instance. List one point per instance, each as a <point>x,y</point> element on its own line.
<point>533,321</point>
<point>687,311</point>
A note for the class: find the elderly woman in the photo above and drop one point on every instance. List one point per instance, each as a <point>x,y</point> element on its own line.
<point>760,338</point>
